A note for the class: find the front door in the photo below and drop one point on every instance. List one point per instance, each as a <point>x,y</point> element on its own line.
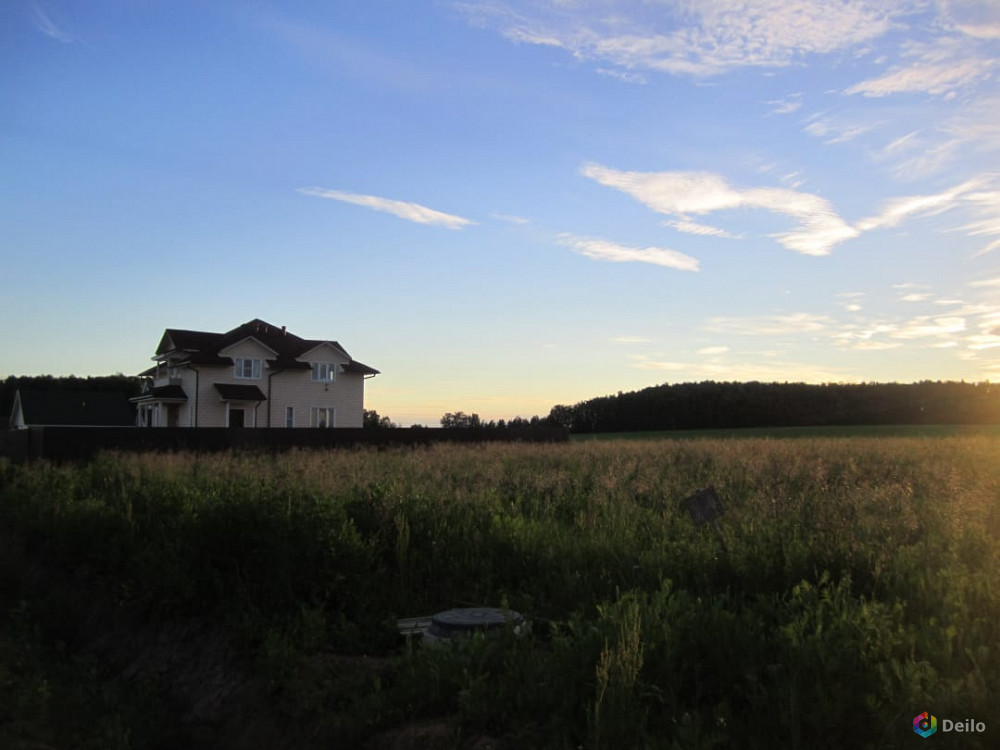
<point>236,417</point>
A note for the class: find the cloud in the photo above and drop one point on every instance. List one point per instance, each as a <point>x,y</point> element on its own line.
<point>687,37</point>
<point>772,371</point>
<point>404,210</point>
<point>929,159</point>
<point>772,325</point>
<point>599,249</point>
<point>46,25</point>
<point>897,210</point>
<point>509,218</point>
<point>713,350</point>
<point>926,325</point>
<point>979,19</point>
<point>690,227</point>
<point>631,340</point>
<point>940,68</point>
<point>940,79</point>
<point>683,193</point>
<point>978,123</point>
<point>985,205</point>
<point>875,346</point>
<point>786,106</point>
<point>834,132</point>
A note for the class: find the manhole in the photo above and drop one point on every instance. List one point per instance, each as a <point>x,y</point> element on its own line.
<point>459,623</point>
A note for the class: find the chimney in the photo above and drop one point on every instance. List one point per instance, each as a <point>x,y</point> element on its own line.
<point>284,331</point>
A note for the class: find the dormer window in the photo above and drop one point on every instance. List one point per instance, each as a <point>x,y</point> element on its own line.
<point>324,372</point>
<point>246,369</point>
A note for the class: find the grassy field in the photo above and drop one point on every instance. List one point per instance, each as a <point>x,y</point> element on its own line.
<point>854,584</point>
<point>835,431</point>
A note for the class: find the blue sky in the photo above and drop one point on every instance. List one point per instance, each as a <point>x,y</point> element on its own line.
<point>508,205</point>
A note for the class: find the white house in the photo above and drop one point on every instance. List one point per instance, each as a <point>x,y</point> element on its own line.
<point>256,375</point>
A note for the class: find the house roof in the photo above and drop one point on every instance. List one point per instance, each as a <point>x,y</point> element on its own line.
<point>162,393</point>
<point>67,407</point>
<point>203,347</point>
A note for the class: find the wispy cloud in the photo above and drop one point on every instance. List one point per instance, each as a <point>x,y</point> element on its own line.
<point>713,351</point>
<point>509,218</point>
<point>687,37</point>
<point>875,346</point>
<point>979,196</point>
<point>979,19</point>
<point>690,227</point>
<point>832,131</point>
<point>897,210</point>
<point>786,106</point>
<point>940,68</point>
<point>404,210</point>
<point>600,249</point>
<point>47,26</point>
<point>926,325</point>
<point>928,158</point>
<point>769,325</point>
<point>684,193</point>
<point>771,371</point>
<point>631,340</point>
<point>985,206</point>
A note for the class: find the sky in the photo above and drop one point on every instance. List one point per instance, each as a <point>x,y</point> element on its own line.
<point>505,205</point>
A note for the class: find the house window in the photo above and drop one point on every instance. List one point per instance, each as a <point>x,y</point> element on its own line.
<point>324,372</point>
<point>289,416</point>
<point>322,416</point>
<point>247,369</point>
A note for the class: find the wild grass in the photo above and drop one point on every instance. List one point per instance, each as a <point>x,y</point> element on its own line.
<point>854,584</point>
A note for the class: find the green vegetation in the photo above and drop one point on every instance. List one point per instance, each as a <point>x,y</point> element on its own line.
<point>835,431</point>
<point>854,586</point>
<point>712,405</point>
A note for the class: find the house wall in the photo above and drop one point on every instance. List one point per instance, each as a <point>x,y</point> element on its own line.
<point>187,379</point>
<point>212,410</point>
<point>296,388</point>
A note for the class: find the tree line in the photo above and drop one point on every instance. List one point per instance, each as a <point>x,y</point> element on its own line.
<point>726,405</point>
<point>129,385</point>
<point>681,406</point>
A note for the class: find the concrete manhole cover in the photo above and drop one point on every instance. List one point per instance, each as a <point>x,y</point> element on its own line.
<point>458,623</point>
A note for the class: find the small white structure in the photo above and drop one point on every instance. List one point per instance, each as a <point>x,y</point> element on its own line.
<point>256,375</point>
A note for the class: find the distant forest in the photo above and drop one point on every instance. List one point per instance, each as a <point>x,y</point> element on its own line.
<point>130,385</point>
<point>712,405</point>
<point>687,406</point>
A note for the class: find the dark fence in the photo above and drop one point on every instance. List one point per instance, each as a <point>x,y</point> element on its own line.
<point>83,442</point>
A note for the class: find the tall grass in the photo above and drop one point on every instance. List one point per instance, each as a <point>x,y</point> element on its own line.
<point>857,582</point>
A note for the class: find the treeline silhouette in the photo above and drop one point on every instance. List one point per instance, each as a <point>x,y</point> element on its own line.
<point>714,405</point>
<point>129,385</point>
<point>684,406</point>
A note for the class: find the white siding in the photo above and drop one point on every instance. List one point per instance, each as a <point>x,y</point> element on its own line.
<point>296,388</point>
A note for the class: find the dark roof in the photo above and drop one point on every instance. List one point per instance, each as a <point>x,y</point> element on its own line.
<point>91,408</point>
<point>162,393</point>
<point>203,347</point>
<point>168,391</point>
<point>355,366</point>
<point>231,392</point>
